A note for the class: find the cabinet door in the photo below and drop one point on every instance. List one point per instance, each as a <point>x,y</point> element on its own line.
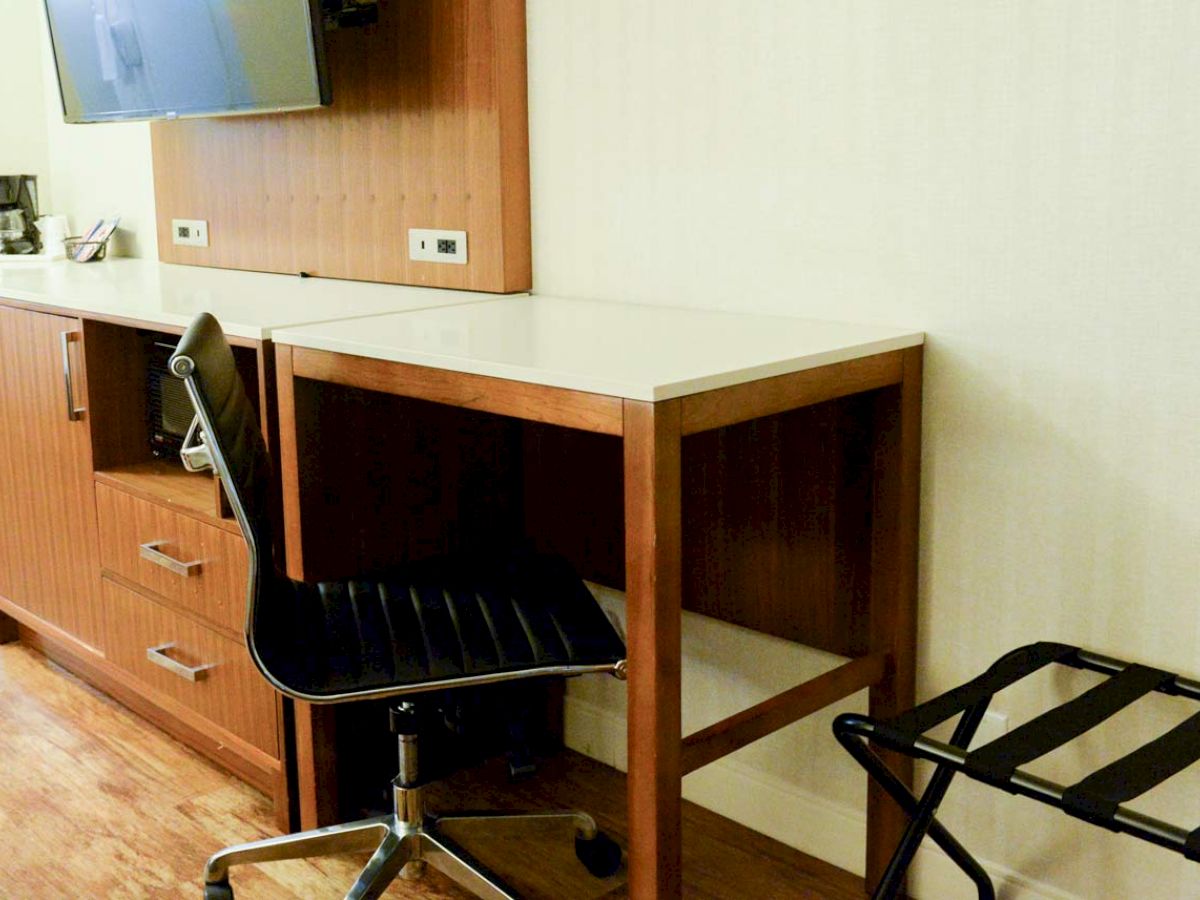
<point>46,490</point>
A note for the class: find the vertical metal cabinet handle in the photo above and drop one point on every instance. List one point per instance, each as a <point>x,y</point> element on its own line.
<point>74,413</point>
<point>158,656</point>
<point>150,551</point>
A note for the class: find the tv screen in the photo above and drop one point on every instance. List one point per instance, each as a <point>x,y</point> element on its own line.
<point>162,59</point>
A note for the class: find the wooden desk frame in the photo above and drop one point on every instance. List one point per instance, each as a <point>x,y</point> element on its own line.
<point>652,434</point>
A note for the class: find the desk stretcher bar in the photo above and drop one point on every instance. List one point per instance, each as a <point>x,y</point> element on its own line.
<point>735,732</point>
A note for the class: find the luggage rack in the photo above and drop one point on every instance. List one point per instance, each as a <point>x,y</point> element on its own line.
<point>1097,798</point>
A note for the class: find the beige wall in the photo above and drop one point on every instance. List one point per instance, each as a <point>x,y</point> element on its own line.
<point>99,170</point>
<point>23,146</point>
<point>85,171</point>
<point>1019,179</point>
<point>103,170</point>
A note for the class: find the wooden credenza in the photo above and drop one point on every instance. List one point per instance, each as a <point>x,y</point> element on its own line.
<point>118,565</point>
<point>123,567</point>
<point>48,542</point>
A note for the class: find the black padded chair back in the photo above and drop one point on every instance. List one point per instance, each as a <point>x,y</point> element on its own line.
<point>426,625</point>
<point>204,360</point>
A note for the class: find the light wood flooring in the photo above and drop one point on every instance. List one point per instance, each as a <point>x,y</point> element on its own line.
<point>96,802</point>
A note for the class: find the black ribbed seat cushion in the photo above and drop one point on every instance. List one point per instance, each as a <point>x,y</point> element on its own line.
<point>415,626</point>
<point>430,621</point>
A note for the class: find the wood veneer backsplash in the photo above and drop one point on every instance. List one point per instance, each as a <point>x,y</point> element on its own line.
<point>428,129</point>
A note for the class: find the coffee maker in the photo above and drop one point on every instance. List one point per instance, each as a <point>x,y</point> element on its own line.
<point>18,212</point>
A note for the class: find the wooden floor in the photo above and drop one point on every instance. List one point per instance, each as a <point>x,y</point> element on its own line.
<point>95,802</point>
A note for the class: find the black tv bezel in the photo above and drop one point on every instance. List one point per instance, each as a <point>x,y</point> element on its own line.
<point>316,42</point>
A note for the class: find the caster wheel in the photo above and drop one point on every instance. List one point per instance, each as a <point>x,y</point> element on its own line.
<point>218,891</point>
<point>601,855</point>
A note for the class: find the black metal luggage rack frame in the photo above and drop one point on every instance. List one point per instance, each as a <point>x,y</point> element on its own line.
<point>1097,798</point>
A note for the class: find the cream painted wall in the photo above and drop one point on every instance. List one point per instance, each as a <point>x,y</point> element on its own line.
<point>99,170</point>
<point>85,171</point>
<point>1019,179</point>
<point>23,145</point>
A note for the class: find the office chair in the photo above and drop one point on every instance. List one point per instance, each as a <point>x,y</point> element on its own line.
<point>1098,798</point>
<point>426,626</point>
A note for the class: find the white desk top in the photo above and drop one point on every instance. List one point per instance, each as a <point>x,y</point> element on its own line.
<point>632,351</point>
<point>248,304</point>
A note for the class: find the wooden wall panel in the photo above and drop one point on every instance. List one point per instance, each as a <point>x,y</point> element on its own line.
<point>428,129</point>
<point>387,479</point>
<point>776,518</point>
<point>776,524</point>
<point>777,512</point>
<point>573,498</point>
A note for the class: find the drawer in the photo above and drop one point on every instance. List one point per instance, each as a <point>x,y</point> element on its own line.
<point>230,693</point>
<point>212,580</point>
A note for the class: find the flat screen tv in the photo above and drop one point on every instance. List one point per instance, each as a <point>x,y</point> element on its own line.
<point>164,59</point>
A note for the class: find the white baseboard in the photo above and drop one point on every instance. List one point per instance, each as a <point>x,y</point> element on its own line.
<point>793,816</point>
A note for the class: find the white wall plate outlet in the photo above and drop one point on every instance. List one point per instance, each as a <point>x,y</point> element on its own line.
<point>189,232</point>
<point>434,245</point>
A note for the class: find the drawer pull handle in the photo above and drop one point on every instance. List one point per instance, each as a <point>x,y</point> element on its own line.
<point>74,413</point>
<point>158,656</point>
<point>151,552</point>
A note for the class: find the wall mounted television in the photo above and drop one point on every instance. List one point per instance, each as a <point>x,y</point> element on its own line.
<point>163,59</point>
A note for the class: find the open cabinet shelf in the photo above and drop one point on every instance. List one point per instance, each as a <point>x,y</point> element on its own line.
<point>168,484</point>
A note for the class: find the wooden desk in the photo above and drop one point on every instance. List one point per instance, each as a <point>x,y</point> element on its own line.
<point>760,469</point>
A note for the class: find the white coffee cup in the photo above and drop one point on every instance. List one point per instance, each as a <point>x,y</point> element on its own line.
<point>53,230</point>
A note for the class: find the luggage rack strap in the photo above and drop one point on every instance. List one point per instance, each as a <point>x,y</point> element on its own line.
<point>1010,668</point>
<point>995,762</point>
<point>1096,797</point>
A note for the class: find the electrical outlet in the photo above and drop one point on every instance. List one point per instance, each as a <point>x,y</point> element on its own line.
<point>433,245</point>
<point>189,232</point>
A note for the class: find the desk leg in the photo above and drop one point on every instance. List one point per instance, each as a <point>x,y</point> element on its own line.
<point>316,765</point>
<point>289,463</point>
<point>8,629</point>
<point>894,588</point>
<point>316,756</point>
<point>653,586</point>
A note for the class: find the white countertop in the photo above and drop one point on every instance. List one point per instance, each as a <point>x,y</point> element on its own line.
<point>248,304</point>
<point>632,351</point>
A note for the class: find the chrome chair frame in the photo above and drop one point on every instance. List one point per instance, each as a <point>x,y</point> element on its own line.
<point>409,836</point>
<point>403,841</point>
